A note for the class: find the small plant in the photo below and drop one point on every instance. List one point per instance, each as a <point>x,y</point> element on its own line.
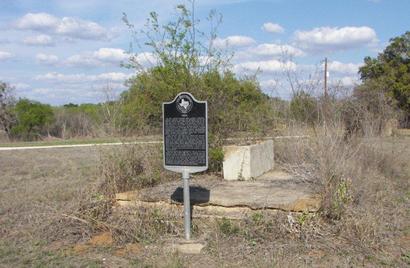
<point>302,218</point>
<point>216,157</point>
<point>342,192</point>
<point>340,199</point>
<point>257,218</point>
<point>240,173</point>
<point>158,220</point>
<point>227,227</point>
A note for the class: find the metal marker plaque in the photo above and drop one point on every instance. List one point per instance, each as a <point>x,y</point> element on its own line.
<point>185,128</point>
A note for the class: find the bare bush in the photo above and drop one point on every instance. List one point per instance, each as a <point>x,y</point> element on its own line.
<point>367,113</point>
<point>111,112</point>
<point>357,178</point>
<point>321,160</point>
<point>131,167</point>
<point>125,168</point>
<point>71,124</point>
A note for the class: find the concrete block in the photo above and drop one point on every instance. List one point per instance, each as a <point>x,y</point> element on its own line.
<point>190,247</point>
<point>248,161</point>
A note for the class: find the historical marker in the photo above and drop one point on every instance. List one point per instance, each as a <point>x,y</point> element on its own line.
<point>185,128</point>
<point>185,134</point>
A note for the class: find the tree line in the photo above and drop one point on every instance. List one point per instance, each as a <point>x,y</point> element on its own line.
<point>186,60</point>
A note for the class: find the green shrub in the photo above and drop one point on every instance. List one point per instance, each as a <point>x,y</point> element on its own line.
<point>303,108</point>
<point>234,104</point>
<point>32,119</point>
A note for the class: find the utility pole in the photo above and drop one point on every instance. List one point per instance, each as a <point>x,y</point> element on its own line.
<point>325,83</point>
<point>324,104</point>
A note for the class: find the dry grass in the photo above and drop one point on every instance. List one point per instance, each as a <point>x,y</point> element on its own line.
<point>53,201</point>
<point>131,167</point>
<point>127,168</point>
<point>51,204</point>
<point>37,188</point>
<point>365,191</point>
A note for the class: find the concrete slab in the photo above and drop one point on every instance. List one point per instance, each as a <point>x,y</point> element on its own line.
<point>274,190</point>
<point>198,212</point>
<point>275,175</point>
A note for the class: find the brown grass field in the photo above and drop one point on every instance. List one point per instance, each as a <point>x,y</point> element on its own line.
<point>53,214</point>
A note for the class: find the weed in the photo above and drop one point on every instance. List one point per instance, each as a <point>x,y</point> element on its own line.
<point>340,198</point>
<point>302,218</point>
<point>227,227</point>
<point>216,157</point>
<point>257,217</point>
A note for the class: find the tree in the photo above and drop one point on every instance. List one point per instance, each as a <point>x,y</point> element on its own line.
<point>7,118</point>
<point>32,119</point>
<point>187,61</point>
<point>389,73</point>
<point>304,107</point>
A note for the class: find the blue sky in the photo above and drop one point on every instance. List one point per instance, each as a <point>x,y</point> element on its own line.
<point>60,51</point>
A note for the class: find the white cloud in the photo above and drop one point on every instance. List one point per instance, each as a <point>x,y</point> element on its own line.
<point>349,81</point>
<point>82,78</point>
<point>330,39</point>
<point>100,57</point>
<point>146,59</point>
<point>39,40</point>
<point>76,93</point>
<point>346,81</point>
<point>46,59</point>
<point>110,54</point>
<point>272,28</point>
<point>83,60</point>
<point>44,91</point>
<point>81,29</point>
<point>268,66</point>
<point>270,50</point>
<point>233,41</point>
<point>38,22</point>
<point>4,55</point>
<point>58,77</point>
<point>113,76</point>
<point>21,86</point>
<point>66,26</point>
<point>268,84</point>
<point>267,51</point>
<point>347,68</point>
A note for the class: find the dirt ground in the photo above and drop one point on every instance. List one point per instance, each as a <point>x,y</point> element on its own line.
<point>39,190</point>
